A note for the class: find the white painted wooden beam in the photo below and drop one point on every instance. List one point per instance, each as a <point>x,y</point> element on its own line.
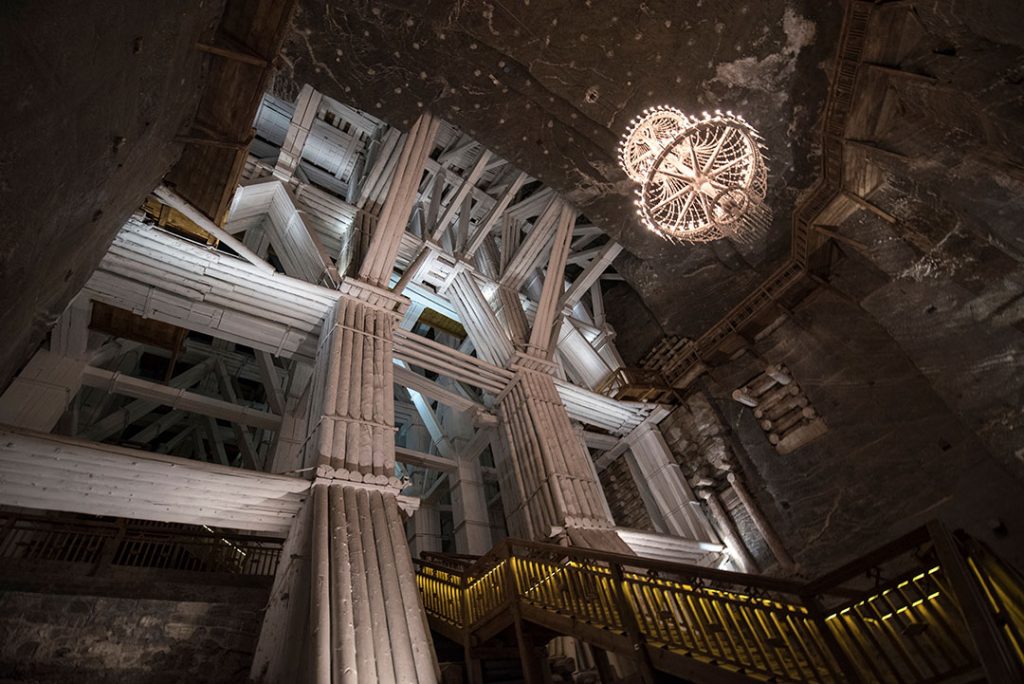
<point>298,130</point>
<point>48,472</point>
<point>532,250</point>
<point>271,203</point>
<point>424,460</point>
<point>271,381</point>
<point>484,228</point>
<point>176,201</point>
<point>127,415</point>
<point>379,259</point>
<point>554,280</point>
<point>593,271</point>
<point>160,276</point>
<point>119,383</point>
<point>456,201</point>
<point>428,388</point>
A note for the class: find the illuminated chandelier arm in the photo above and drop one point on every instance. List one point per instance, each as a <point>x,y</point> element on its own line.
<point>715,153</point>
<point>704,206</point>
<point>676,195</point>
<point>721,169</point>
<point>686,179</point>
<point>693,156</point>
<point>686,206</point>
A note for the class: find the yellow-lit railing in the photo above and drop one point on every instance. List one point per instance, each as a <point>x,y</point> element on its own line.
<point>908,628</point>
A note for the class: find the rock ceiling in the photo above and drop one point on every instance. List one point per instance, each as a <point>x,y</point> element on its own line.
<point>552,84</point>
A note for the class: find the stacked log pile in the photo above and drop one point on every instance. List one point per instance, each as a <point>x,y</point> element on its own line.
<point>782,409</point>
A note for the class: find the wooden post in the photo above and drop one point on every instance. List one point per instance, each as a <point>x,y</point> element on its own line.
<point>629,623</point>
<point>996,659</point>
<point>761,522</point>
<point>846,666</point>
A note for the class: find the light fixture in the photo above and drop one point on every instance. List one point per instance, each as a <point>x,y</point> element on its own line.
<point>701,178</point>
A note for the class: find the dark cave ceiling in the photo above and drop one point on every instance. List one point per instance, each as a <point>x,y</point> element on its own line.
<point>552,84</point>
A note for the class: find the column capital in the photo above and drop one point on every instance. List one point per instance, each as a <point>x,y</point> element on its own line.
<point>524,361</point>
<point>392,303</point>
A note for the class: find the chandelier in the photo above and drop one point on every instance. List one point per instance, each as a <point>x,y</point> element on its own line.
<point>700,179</point>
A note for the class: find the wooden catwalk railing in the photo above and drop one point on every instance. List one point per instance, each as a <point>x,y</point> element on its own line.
<point>136,544</point>
<point>929,607</point>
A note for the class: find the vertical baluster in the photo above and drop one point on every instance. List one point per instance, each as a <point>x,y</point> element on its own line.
<point>895,639</point>
<point>943,620</point>
<point>703,640</point>
<point>903,625</point>
<point>928,630</point>
<point>718,609</point>
<point>630,625</point>
<point>704,614</point>
<point>794,658</point>
<point>798,629</point>
<point>854,647</point>
<point>772,662</point>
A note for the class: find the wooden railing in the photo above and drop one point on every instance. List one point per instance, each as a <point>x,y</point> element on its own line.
<point>926,608</point>
<point>133,543</point>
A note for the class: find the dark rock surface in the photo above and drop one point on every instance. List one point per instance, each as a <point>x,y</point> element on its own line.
<point>83,638</point>
<point>551,85</point>
<point>895,455</point>
<point>94,94</point>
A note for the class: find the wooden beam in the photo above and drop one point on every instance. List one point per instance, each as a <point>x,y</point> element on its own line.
<point>485,226</point>
<point>540,341</point>
<point>119,383</point>
<point>593,271</point>
<point>173,199</point>
<point>50,472</point>
<point>425,460</point>
<point>456,201</point>
<point>428,388</point>
<point>270,379</point>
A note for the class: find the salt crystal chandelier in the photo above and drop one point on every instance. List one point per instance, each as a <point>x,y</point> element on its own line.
<point>700,178</point>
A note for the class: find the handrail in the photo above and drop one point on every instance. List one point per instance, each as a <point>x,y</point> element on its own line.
<point>905,624</point>
<point>128,543</point>
<point>502,550</point>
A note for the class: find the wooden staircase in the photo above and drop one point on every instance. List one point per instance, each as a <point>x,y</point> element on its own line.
<point>929,607</point>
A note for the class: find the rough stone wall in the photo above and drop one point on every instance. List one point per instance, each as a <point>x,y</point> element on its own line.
<point>57,638</point>
<point>624,500</point>
<point>895,455</point>
<point>94,94</point>
<point>703,445</point>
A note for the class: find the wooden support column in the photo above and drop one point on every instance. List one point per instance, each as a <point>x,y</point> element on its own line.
<point>540,343</point>
<point>670,493</point>
<point>298,130</point>
<point>730,535</point>
<point>551,481</point>
<point>766,529</point>
<point>394,216</point>
<point>472,525</point>
<point>345,606</point>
